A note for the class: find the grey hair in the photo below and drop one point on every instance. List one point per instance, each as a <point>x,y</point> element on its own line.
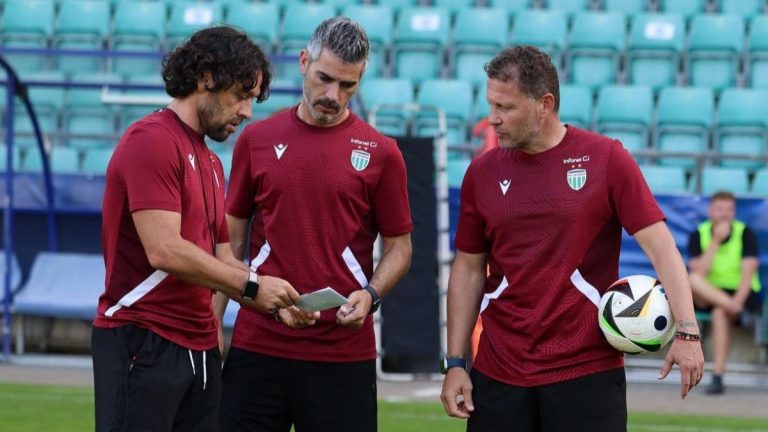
<point>341,36</point>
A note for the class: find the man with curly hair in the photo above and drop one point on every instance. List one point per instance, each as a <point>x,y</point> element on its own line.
<point>166,244</point>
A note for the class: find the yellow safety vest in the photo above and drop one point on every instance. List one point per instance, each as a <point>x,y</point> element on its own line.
<point>726,264</point>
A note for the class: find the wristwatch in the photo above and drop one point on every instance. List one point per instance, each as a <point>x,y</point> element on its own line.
<point>376,299</point>
<point>251,286</point>
<point>452,362</point>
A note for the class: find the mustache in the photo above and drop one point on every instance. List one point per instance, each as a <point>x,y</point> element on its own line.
<point>327,103</point>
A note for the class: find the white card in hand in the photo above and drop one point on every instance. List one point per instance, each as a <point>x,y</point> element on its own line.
<point>321,300</point>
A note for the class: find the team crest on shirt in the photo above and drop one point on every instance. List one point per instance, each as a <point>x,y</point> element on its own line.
<point>577,178</point>
<point>360,159</point>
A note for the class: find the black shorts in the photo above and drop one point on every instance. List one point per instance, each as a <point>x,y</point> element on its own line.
<point>144,383</point>
<point>269,394</point>
<point>753,305</point>
<point>592,403</point>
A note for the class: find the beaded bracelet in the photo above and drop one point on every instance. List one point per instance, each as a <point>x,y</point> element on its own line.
<point>688,336</point>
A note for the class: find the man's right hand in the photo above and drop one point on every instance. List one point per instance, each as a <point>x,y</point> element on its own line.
<point>274,293</point>
<point>721,231</point>
<point>457,393</point>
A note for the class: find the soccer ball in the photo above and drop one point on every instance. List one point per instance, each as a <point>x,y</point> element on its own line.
<point>634,315</point>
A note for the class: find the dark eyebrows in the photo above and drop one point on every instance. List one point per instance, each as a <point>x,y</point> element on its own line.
<point>327,78</point>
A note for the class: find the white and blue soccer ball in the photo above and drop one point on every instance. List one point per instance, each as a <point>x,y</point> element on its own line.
<point>634,315</point>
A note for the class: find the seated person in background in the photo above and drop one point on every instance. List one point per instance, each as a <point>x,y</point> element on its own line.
<point>723,272</point>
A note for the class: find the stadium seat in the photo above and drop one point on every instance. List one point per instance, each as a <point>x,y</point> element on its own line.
<point>60,285</point>
<point>511,6</point>
<point>456,168</point>
<point>47,102</point>
<point>299,23</point>
<point>87,121</point>
<point>138,26</point>
<point>597,41</point>
<point>625,113</point>
<point>226,161</point>
<point>455,98</point>
<point>686,8</point>
<point>743,8</point>
<point>683,120</point>
<point>576,105</point>
<point>454,6</point>
<point>654,49</point>
<point>478,35</point>
<point>189,17</point>
<point>732,179</point>
<point>378,22</point>
<point>665,179</point>
<point>261,21</point>
<point>757,56</point>
<point>62,160</point>
<point>714,50</point>
<point>389,120</point>
<point>742,126</point>
<point>27,24</point>
<point>144,100</point>
<point>760,183</point>
<point>544,29</point>
<point>96,160</point>
<point>17,157</point>
<point>422,34</point>
<point>569,7</point>
<point>83,25</point>
<point>481,108</point>
<point>626,7</point>
<point>278,99</point>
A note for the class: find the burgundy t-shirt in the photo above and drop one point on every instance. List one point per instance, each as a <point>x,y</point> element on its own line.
<point>160,164</point>
<point>551,226</point>
<point>318,197</point>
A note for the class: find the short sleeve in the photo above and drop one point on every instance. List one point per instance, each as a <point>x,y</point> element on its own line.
<point>151,169</point>
<point>470,233</point>
<point>749,241</point>
<point>694,245</point>
<point>629,193</point>
<point>390,200</point>
<point>240,194</point>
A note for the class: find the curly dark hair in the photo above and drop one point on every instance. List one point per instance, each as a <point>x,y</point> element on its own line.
<point>228,54</point>
<point>530,67</point>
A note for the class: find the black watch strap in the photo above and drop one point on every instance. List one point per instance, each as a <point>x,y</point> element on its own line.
<point>251,286</point>
<point>375,297</point>
<point>452,362</point>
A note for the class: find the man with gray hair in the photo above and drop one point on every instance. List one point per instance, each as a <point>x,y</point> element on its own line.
<point>317,185</point>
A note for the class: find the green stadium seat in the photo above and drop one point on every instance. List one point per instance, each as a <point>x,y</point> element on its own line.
<point>422,33</point>
<point>742,126</point>
<point>665,179</point>
<point>189,17</point>
<point>760,183</point>
<point>277,101</point>
<point>732,179</point>
<point>569,7</point>
<point>757,55</point>
<point>686,8</point>
<point>576,105</point>
<point>83,25</point>
<point>454,6</point>
<point>397,5</point>
<point>626,7</point>
<point>299,24</point>
<point>455,98</point>
<point>261,21</point>
<point>683,120</point>
<point>138,26</point>
<point>27,24</point>
<point>544,29</point>
<point>714,50</point>
<point>481,107</point>
<point>455,169</point>
<point>144,100</point>
<point>597,41</point>
<point>625,113</point>
<point>385,91</point>
<point>63,160</point>
<point>47,102</point>
<point>478,35</point>
<point>87,115</point>
<point>511,6</point>
<point>378,22</point>
<point>743,8</point>
<point>654,49</point>
<point>96,160</point>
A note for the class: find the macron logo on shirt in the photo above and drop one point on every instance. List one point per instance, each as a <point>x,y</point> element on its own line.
<point>504,185</point>
<point>192,161</point>
<point>279,150</point>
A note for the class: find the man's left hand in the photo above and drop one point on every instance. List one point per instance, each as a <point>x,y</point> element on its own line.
<point>353,313</point>
<point>689,357</point>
